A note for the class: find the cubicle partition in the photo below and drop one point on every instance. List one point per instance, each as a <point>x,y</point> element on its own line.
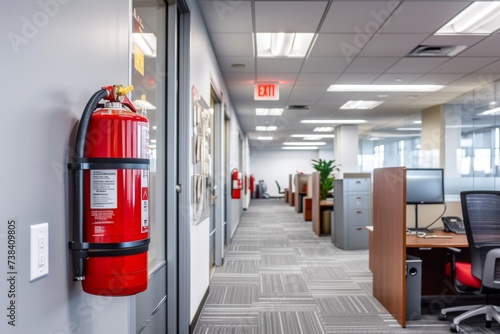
<point>300,190</point>
<point>388,243</point>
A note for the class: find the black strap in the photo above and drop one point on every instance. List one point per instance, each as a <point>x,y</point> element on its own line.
<point>109,163</point>
<point>101,249</point>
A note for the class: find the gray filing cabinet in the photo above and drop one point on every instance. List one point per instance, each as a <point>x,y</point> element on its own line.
<point>352,211</point>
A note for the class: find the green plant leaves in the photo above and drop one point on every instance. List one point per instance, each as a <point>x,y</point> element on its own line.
<point>325,169</point>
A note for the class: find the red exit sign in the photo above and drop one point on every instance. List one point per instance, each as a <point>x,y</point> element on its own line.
<point>266,92</point>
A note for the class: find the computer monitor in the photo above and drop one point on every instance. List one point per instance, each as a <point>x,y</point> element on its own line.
<point>424,186</point>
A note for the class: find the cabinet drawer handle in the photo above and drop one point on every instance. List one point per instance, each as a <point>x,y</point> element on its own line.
<point>359,197</point>
<point>359,228</point>
<point>359,212</point>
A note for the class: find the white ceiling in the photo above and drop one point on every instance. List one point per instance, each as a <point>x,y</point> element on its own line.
<point>358,42</point>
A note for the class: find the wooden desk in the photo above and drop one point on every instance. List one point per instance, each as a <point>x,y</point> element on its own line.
<point>298,201</point>
<point>456,240</point>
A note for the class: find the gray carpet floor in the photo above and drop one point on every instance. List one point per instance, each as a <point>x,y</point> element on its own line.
<point>278,277</point>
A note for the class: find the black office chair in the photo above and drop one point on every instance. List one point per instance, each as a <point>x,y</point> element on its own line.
<point>281,192</point>
<point>481,213</point>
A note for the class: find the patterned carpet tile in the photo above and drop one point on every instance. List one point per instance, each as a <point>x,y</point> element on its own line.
<point>351,305</point>
<point>239,266</point>
<point>278,260</point>
<point>290,322</point>
<point>226,279</point>
<point>282,284</point>
<point>324,273</point>
<point>237,295</point>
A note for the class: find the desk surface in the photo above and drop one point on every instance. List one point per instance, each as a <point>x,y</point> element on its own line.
<point>456,240</point>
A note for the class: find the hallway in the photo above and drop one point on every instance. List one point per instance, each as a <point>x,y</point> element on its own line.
<point>280,278</point>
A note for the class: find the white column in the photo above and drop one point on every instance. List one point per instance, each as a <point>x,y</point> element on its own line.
<point>345,148</point>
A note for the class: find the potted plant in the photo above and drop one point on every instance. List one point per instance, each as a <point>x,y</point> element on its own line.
<point>326,178</point>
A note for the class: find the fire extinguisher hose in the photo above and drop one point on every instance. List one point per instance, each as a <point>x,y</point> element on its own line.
<point>78,259</point>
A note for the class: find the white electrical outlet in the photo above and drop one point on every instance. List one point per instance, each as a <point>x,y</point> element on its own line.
<point>39,250</point>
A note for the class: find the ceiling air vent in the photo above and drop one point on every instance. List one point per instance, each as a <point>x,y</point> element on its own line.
<point>436,50</point>
<point>298,107</point>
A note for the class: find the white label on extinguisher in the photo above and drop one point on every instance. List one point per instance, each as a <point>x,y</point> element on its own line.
<point>145,201</point>
<point>103,189</point>
<point>143,142</point>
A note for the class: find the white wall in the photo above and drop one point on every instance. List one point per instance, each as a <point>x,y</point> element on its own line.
<point>204,71</point>
<point>59,53</point>
<point>277,165</point>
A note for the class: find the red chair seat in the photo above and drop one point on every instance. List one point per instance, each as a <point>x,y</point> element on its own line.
<point>463,272</point>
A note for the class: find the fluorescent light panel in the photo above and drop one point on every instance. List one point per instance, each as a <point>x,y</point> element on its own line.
<point>319,136</point>
<point>293,143</point>
<point>269,111</point>
<point>481,17</point>
<point>334,121</point>
<point>360,104</point>
<point>384,88</point>
<point>282,44</point>
<point>408,129</point>
<point>265,128</point>
<point>300,147</point>
<point>323,129</point>
<point>264,138</point>
<point>494,111</point>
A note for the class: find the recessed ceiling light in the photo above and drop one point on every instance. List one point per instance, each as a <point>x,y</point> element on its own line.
<point>417,122</point>
<point>383,95</point>
<point>265,128</point>
<point>316,143</point>
<point>282,44</point>
<point>360,104</point>
<point>384,88</point>
<point>323,129</point>
<point>313,138</point>
<point>334,121</point>
<point>408,129</point>
<point>238,65</point>
<point>264,138</point>
<point>399,80</point>
<point>481,17</point>
<point>300,147</point>
<point>269,111</point>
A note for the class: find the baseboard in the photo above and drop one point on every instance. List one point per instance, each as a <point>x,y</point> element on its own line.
<point>192,326</point>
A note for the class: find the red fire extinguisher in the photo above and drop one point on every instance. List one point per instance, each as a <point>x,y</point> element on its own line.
<point>236,184</point>
<point>252,183</point>
<point>111,196</point>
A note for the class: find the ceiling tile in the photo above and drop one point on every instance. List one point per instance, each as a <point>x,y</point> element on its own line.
<point>416,65</point>
<point>396,78</point>
<point>227,16</point>
<point>392,45</point>
<point>491,68</point>
<point>278,64</point>
<point>316,78</point>
<point>288,16</point>
<point>325,65</point>
<point>467,40</point>
<point>312,93</point>
<point>437,79</point>
<point>371,64</point>
<point>488,47</point>
<point>356,79</point>
<point>422,17</point>
<point>239,45</point>
<point>464,64</point>
<point>336,45</point>
<point>360,17</point>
